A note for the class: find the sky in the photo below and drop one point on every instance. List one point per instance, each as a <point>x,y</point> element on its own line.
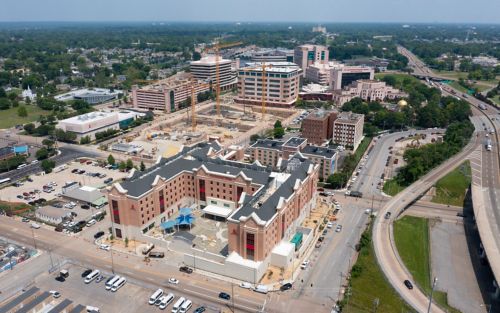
<point>407,11</point>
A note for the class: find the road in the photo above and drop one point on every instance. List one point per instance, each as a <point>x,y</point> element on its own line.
<point>86,254</point>
<point>67,153</point>
<point>383,239</point>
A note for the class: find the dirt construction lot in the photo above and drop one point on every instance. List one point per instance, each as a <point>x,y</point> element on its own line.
<point>10,193</point>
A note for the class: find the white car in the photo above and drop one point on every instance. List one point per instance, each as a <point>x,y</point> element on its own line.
<point>35,225</point>
<point>329,225</point>
<point>304,264</point>
<point>91,222</point>
<point>348,192</point>
<point>105,247</point>
<point>339,228</point>
<point>173,281</point>
<point>246,285</point>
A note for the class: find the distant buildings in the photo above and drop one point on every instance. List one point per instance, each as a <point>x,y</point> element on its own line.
<point>91,123</point>
<point>319,29</point>
<point>348,129</point>
<point>317,127</point>
<point>91,96</point>
<point>486,61</point>
<point>368,90</point>
<point>272,55</point>
<point>306,55</point>
<point>205,69</point>
<point>166,95</point>
<point>270,152</point>
<point>28,94</point>
<point>282,81</point>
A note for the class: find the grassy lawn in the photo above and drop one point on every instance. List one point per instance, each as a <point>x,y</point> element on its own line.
<point>451,74</point>
<point>496,99</point>
<point>457,86</point>
<point>411,235</point>
<point>362,147</point>
<point>451,188</point>
<point>392,188</point>
<point>9,118</point>
<point>399,77</point>
<point>369,284</point>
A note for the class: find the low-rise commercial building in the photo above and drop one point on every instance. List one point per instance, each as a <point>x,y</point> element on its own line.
<point>272,55</point>
<point>317,127</point>
<point>270,152</point>
<point>348,129</point>
<point>91,123</point>
<point>167,94</point>
<point>281,84</point>
<point>342,75</point>
<point>368,90</point>
<point>91,96</point>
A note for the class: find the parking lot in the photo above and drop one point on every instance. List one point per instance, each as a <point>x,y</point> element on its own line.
<point>26,192</point>
<point>132,297</point>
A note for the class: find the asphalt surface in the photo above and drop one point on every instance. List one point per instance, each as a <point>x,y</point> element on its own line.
<point>67,153</point>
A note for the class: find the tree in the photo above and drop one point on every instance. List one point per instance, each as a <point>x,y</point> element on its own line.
<point>4,104</point>
<point>129,164</point>
<point>42,154</point>
<point>85,140</point>
<point>254,138</point>
<point>48,143</point>
<point>22,112</point>
<point>122,166</point>
<point>48,165</point>
<point>337,180</point>
<point>278,131</point>
<point>29,128</point>
<point>143,166</point>
<point>111,159</point>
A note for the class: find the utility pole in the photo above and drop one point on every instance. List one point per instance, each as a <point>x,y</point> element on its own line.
<point>112,261</point>
<point>432,291</point>
<point>33,235</point>
<point>232,294</point>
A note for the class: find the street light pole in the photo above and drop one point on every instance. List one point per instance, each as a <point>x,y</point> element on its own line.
<point>430,297</point>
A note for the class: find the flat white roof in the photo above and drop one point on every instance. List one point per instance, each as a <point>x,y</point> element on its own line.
<point>217,211</point>
<point>85,118</point>
<point>284,248</point>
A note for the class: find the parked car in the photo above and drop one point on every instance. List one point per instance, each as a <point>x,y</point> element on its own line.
<point>224,296</point>
<point>60,279</point>
<point>100,278</point>
<point>105,247</point>
<point>387,215</point>
<point>286,286</point>
<point>408,284</point>
<point>55,294</point>
<point>98,235</point>
<point>201,309</point>
<point>186,269</point>
<point>85,273</point>
<point>339,228</point>
<point>156,254</point>
<point>246,285</point>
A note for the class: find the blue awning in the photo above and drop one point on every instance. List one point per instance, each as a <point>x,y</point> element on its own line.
<point>185,211</point>
<point>168,224</point>
<point>184,220</point>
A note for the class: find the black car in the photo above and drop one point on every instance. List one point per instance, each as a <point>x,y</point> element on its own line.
<point>201,309</point>
<point>86,273</point>
<point>74,171</point>
<point>408,284</point>
<point>186,269</point>
<point>85,206</point>
<point>224,296</point>
<point>108,180</point>
<point>60,279</point>
<point>286,286</point>
<point>99,234</point>
<point>460,214</point>
<point>387,215</point>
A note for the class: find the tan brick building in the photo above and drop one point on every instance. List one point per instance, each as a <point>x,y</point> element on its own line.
<point>348,129</point>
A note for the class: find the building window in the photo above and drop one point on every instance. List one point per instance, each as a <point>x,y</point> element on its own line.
<point>118,233</point>
<point>115,212</point>
<point>250,246</point>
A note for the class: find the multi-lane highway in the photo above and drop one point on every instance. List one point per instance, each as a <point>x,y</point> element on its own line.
<point>383,239</point>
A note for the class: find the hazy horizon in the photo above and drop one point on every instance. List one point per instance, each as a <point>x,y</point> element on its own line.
<point>257,11</point>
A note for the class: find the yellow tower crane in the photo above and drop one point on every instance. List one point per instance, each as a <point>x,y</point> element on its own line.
<point>216,48</point>
<point>263,67</point>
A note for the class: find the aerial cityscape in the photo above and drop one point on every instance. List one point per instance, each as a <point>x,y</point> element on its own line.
<point>249,157</point>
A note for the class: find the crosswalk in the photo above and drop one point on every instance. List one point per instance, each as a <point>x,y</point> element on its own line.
<point>475,159</point>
